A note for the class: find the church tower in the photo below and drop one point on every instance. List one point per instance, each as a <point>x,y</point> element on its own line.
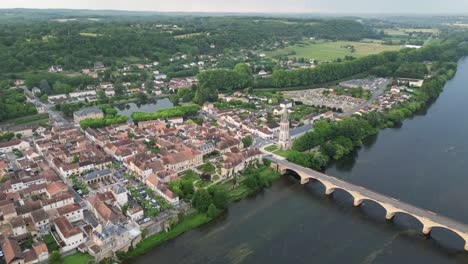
<point>284,141</point>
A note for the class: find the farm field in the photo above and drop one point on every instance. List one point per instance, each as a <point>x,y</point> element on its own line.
<point>331,50</point>
<point>405,31</point>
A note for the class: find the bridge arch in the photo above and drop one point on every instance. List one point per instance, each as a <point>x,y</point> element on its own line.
<point>460,237</point>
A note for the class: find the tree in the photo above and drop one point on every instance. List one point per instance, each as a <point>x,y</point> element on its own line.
<point>247,141</point>
<point>202,200</point>
<point>212,211</point>
<point>208,167</point>
<point>55,258</point>
<point>220,198</point>
<point>253,181</point>
<point>187,189</point>
<point>45,87</point>
<point>19,135</point>
<point>76,158</point>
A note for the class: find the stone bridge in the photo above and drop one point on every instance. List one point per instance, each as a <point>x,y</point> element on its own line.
<point>392,206</point>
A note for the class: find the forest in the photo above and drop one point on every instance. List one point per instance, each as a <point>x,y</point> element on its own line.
<point>75,43</point>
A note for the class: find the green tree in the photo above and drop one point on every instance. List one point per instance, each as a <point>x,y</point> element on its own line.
<point>247,141</point>
<point>208,167</point>
<point>55,258</point>
<point>202,200</point>
<point>212,211</point>
<point>220,197</point>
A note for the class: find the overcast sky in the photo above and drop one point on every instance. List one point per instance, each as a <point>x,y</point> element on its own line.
<point>283,6</point>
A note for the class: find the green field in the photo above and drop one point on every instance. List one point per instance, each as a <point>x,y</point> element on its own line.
<point>331,50</point>
<point>405,31</point>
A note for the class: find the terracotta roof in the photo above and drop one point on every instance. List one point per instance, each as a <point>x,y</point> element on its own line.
<point>64,226</point>
<point>40,247</point>
<point>11,250</point>
<point>68,208</point>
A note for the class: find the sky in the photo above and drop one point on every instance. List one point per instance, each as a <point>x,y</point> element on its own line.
<point>256,6</point>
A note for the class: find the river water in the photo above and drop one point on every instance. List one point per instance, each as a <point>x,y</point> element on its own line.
<point>423,162</point>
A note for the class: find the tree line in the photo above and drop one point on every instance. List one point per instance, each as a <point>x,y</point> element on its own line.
<point>337,139</point>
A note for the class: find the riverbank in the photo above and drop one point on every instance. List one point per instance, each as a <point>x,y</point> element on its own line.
<point>238,189</point>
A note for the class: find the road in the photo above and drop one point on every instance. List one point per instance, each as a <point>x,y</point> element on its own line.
<point>377,197</point>
<point>373,97</point>
<point>56,117</point>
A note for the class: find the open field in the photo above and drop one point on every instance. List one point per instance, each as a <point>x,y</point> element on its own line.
<point>405,31</point>
<point>331,50</point>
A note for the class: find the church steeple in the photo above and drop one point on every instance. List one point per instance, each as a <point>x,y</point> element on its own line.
<point>284,141</point>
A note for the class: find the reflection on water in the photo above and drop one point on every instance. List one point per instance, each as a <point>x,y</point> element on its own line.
<point>152,106</point>
<point>422,162</point>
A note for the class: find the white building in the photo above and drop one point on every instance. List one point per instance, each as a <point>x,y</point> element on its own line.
<point>71,236</point>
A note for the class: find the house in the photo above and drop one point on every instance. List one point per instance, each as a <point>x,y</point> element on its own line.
<point>160,76</point>
<point>87,113</point>
<point>135,213</point>
<point>82,94</point>
<point>12,252</point>
<point>413,46</point>
<point>103,208</point>
<point>73,212</point>
<point>40,218</point>
<point>109,92</point>
<point>273,128</point>
<point>56,188</point>
<point>120,195</point>
<point>55,68</point>
<point>286,104</point>
<point>68,236</point>
<point>8,146</point>
<point>98,65</point>
<point>411,82</point>
<point>175,120</point>
<point>19,82</point>
<point>161,189</point>
<point>57,98</point>
<point>36,91</point>
<point>18,226</point>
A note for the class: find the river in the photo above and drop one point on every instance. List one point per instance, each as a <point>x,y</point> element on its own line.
<point>423,162</point>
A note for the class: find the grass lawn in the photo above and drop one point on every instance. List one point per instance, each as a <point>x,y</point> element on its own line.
<point>202,183</point>
<point>77,258</point>
<point>191,176</point>
<point>331,50</point>
<point>50,243</point>
<point>282,152</point>
<point>271,148</point>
